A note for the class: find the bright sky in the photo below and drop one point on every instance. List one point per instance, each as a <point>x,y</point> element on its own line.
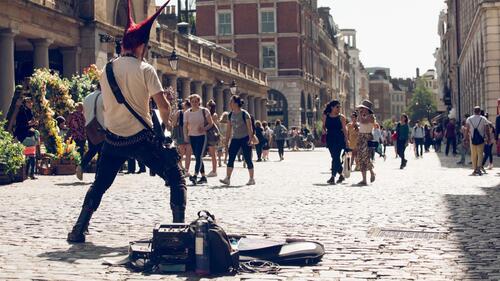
<point>399,34</point>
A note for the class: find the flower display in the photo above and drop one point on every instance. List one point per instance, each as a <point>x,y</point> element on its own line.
<point>84,84</point>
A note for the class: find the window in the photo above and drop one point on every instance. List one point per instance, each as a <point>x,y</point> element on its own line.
<point>224,23</point>
<point>267,21</point>
<point>268,56</point>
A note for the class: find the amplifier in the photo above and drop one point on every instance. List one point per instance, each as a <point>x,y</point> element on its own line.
<point>173,243</point>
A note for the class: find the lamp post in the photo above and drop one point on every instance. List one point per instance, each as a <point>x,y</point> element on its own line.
<point>173,59</point>
<point>429,108</point>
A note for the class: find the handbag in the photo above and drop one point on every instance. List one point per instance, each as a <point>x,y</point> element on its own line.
<point>95,132</point>
<point>168,155</point>
<point>213,134</point>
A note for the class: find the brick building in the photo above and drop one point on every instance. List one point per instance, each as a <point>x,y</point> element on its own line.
<point>291,42</point>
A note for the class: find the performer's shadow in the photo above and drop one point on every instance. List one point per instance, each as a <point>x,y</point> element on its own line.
<point>84,251</point>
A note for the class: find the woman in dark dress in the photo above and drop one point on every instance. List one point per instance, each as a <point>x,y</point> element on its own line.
<point>334,126</point>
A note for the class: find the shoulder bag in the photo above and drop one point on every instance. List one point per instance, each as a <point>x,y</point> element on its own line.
<point>95,132</point>
<point>213,134</point>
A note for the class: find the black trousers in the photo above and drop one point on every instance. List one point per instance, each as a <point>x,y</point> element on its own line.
<point>198,145</point>
<point>131,166</point>
<point>401,147</point>
<point>335,151</point>
<point>30,165</point>
<point>235,146</point>
<point>91,152</point>
<point>281,147</point>
<point>258,149</point>
<point>453,143</point>
<point>488,153</point>
<point>419,146</point>
<point>112,159</point>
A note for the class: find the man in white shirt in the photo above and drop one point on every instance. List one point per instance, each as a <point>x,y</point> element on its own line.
<point>127,137</point>
<point>418,135</point>
<point>93,107</point>
<point>476,123</point>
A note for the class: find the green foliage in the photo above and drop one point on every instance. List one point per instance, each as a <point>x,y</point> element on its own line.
<point>319,127</point>
<point>388,124</point>
<point>11,151</point>
<point>422,103</point>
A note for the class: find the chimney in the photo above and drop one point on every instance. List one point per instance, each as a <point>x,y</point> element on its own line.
<point>418,72</point>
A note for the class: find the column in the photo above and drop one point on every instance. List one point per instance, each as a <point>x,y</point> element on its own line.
<point>173,82</point>
<point>7,76</point>
<point>257,109</point>
<point>219,100</point>
<point>41,52</point>
<point>71,61</point>
<point>186,87</point>
<point>263,109</point>
<point>209,88</point>
<point>251,105</point>
<point>245,98</point>
<point>198,88</point>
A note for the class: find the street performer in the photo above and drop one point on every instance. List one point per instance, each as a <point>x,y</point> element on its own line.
<point>127,135</point>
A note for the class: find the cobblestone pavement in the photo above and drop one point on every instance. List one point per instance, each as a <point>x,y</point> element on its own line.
<point>290,199</point>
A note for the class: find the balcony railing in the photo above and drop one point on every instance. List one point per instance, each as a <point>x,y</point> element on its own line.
<point>210,56</point>
<point>67,7</point>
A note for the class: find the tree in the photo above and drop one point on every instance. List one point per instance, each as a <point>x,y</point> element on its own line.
<point>422,104</point>
<point>388,124</point>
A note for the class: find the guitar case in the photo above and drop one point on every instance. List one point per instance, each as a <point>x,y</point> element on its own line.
<point>289,252</point>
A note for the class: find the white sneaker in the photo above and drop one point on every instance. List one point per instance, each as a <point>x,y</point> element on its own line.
<point>212,174</point>
<point>225,181</point>
<point>490,167</point>
<point>251,182</point>
<point>79,172</point>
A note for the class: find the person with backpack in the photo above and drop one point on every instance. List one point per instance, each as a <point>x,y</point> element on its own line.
<point>476,133</point>
<point>280,133</point>
<point>259,133</point>
<point>197,121</point>
<point>418,135</point>
<point>241,133</point>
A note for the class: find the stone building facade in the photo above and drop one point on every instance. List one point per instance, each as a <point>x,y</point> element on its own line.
<point>471,50</point>
<point>293,41</point>
<point>380,94</point>
<point>68,35</point>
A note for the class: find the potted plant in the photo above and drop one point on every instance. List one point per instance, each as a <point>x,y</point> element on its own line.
<point>12,160</point>
<point>66,162</point>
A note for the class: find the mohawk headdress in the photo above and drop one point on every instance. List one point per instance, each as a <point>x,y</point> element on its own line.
<point>137,34</point>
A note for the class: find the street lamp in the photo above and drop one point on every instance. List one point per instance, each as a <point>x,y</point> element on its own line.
<point>173,59</point>
<point>429,108</point>
<point>233,87</point>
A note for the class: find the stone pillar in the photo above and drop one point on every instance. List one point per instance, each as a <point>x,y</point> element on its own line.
<point>71,61</point>
<point>173,82</point>
<point>7,76</point>
<point>219,100</point>
<point>186,87</point>
<point>210,91</point>
<point>245,98</point>
<point>257,109</point>
<point>41,52</point>
<point>198,89</point>
<point>251,105</point>
<point>263,112</point>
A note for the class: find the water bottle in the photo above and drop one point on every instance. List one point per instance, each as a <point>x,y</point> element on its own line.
<point>202,248</point>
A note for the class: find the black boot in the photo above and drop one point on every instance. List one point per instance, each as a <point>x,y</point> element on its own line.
<point>178,215</point>
<point>77,234</point>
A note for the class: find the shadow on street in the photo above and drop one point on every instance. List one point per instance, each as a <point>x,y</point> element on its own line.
<point>475,224</point>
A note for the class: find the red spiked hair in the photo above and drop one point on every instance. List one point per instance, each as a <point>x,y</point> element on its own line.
<point>137,34</point>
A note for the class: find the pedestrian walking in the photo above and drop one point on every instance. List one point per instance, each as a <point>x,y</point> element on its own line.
<point>128,85</point>
<point>222,148</point>
<point>352,137</point>
<point>241,134</point>
<point>365,140</point>
<point>30,142</point>
<point>377,141</point>
<point>334,126</point>
<point>418,135</point>
<point>403,134</point>
<point>182,143</point>
<point>268,135</point>
<point>488,147</point>
<point>259,133</point>
<point>427,138</point>
<point>437,136</point>
<point>464,142</point>
<point>280,135</point>
<point>451,137</point>
<point>213,142</point>
<point>476,133</point>
<point>197,122</point>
